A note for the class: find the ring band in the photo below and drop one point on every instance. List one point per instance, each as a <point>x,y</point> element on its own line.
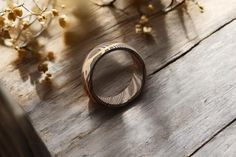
<point>135,86</point>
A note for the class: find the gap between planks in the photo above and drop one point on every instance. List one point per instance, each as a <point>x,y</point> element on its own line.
<point>211,138</point>
<point>186,52</point>
<point>173,60</point>
<point>191,48</point>
<point>182,55</point>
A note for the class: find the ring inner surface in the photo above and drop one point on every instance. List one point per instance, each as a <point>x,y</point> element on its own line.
<point>117,78</point>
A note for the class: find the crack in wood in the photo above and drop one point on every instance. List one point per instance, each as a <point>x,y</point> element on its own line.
<point>182,55</point>
<point>52,128</point>
<point>190,49</point>
<point>103,4</point>
<point>212,137</point>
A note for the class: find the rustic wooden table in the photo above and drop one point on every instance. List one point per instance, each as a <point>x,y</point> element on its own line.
<point>188,107</point>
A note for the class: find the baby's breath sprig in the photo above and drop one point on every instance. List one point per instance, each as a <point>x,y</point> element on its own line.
<point>21,19</point>
<point>20,27</point>
<point>143,25</point>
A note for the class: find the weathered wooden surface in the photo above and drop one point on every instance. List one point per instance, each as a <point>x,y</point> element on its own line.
<point>222,145</point>
<point>182,107</point>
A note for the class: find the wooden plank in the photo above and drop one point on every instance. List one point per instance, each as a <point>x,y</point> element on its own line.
<point>157,52</point>
<point>57,116</point>
<point>222,145</point>
<point>183,105</point>
<point>173,34</point>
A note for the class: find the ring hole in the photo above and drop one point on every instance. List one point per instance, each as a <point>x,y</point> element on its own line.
<point>113,73</point>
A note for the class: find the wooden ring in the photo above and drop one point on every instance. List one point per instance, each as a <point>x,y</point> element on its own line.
<point>135,86</point>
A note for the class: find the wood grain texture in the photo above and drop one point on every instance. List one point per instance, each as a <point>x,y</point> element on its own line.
<point>222,145</point>
<point>183,105</point>
<point>180,105</point>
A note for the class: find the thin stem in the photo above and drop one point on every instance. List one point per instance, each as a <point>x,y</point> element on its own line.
<point>173,5</point>
<point>36,4</point>
<point>19,34</point>
<point>26,9</point>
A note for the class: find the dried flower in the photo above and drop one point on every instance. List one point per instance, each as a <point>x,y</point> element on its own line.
<point>141,26</point>
<point>63,21</point>
<point>18,12</point>
<point>138,28</point>
<point>6,34</point>
<point>47,79</point>
<point>143,19</point>
<point>49,75</point>
<point>41,18</point>
<point>50,56</point>
<point>55,12</point>
<point>147,30</point>
<point>63,6</point>
<point>25,24</point>
<point>11,16</point>
<point>43,67</point>
<point>19,31</point>
<point>151,7</point>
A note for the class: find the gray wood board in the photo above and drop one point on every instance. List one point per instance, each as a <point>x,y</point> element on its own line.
<point>69,126</point>
<point>221,145</point>
<point>182,107</point>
